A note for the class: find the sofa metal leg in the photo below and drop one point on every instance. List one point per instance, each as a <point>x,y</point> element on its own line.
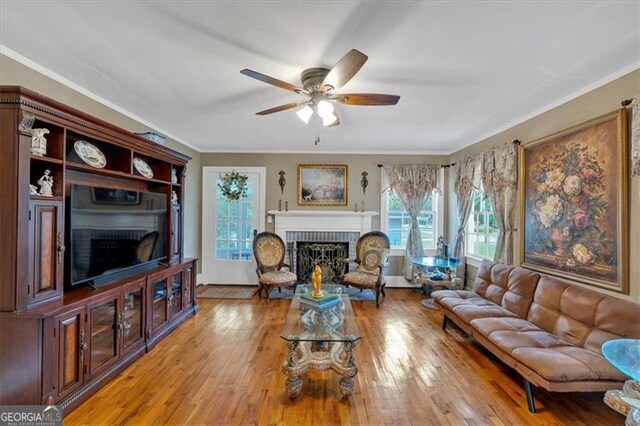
<point>530,402</point>
<point>445,321</point>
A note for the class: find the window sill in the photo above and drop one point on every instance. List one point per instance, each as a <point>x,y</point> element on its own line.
<point>474,260</point>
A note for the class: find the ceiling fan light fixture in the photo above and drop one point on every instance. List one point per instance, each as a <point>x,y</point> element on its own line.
<point>325,109</point>
<point>305,114</point>
<point>329,119</point>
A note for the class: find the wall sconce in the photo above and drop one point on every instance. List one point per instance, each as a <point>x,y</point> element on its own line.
<point>364,182</point>
<point>282,181</point>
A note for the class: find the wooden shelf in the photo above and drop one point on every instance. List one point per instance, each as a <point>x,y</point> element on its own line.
<point>46,159</point>
<point>40,197</point>
<point>108,172</point>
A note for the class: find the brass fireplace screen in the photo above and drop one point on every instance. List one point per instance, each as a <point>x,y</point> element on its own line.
<point>329,255</point>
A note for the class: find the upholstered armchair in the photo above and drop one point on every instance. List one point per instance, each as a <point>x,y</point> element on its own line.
<point>372,251</point>
<point>269,250</point>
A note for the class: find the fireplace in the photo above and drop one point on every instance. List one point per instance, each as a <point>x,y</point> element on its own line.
<point>329,255</point>
<point>336,227</point>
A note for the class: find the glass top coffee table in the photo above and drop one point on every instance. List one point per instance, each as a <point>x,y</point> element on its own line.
<point>320,339</point>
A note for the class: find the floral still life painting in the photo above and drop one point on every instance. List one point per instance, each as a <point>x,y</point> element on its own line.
<point>575,203</point>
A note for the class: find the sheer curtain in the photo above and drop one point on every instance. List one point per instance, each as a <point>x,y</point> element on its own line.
<point>500,182</point>
<point>467,179</point>
<point>412,184</point>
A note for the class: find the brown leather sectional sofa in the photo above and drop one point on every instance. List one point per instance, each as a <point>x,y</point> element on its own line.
<point>547,330</point>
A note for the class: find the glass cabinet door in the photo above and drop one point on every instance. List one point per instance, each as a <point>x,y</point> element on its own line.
<point>159,306</point>
<point>103,338</point>
<point>188,285</point>
<point>176,293</point>
<point>131,321</point>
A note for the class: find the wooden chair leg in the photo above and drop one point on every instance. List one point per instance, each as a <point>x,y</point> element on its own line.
<point>377,298</point>
<point>382,290</point>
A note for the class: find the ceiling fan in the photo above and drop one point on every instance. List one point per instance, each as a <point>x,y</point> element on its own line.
<point>320,85</point>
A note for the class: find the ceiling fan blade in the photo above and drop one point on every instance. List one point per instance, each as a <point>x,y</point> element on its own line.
<point>345,69</point>
<point>371,99</point>
<point>270,80</point>
<point>282,107</point>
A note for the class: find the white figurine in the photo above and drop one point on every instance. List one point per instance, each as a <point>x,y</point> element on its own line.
<point>39,142</point>
<point>174,197</point>
<point>174,176</point>
<point>33,190</point>
<point>46,184</point>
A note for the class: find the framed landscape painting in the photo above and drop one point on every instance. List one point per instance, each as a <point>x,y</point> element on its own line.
<point>574,203</point>
<point>322,184</point>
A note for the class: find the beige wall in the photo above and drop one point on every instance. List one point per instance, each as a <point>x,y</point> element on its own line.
<point>356,165</point>
<point>598,102</point>
<point>16,74</point>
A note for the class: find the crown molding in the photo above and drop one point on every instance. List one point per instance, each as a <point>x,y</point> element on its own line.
<point>4,50</point>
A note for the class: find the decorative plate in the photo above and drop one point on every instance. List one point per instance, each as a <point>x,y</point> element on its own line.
<point>142,167</point>
<point>90,154</point>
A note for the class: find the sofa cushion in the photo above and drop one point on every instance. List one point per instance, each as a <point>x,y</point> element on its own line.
<point>549,356</point>
<point>509,287</point>
<point>509,334</point>
<point>468,305</point>
<point>451,298</point>
<point>582,317</point>
<point>470,311</point>
<point>567,363</point>
<point>491,281</point>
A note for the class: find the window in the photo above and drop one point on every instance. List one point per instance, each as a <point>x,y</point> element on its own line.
<point>482,230</point>
<point>234,226</point>
<point>396,222</point>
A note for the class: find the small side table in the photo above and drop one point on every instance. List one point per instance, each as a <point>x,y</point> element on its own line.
<point>429,286</point>
<point>624,354</point>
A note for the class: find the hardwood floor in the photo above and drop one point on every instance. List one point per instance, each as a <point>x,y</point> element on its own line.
<point>223,367</point>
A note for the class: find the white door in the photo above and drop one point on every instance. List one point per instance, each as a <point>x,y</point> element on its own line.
<point>228,227</point>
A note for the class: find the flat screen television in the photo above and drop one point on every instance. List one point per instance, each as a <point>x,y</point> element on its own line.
<point>113,233</point>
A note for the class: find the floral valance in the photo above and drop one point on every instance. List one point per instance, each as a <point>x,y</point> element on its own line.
<point>500,168</point>
<point>467,175</point>
<point>412,179</point>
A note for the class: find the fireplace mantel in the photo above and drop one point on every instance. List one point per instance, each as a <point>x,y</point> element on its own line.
<point>321,220</point>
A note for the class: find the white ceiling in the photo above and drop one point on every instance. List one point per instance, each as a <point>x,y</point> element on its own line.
<point>464,70</point>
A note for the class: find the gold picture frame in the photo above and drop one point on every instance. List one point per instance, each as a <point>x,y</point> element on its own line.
<point>323,184</point>
<point>574,203</point>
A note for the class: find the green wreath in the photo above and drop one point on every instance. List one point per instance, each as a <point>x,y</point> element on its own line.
<point>233,186</point>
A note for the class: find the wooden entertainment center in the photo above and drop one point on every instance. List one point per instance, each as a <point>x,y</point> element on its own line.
<point>58,345</point>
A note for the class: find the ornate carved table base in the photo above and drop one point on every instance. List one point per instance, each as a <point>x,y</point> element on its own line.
<point>626,402</point>
<point>336,356</point>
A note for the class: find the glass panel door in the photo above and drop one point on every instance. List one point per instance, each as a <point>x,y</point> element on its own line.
<point>176,293</point>
<point>229,226</point>
<point>159,306</point>
<point>103,338</point>
<point>132,323</point>
<point>234,226</point>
